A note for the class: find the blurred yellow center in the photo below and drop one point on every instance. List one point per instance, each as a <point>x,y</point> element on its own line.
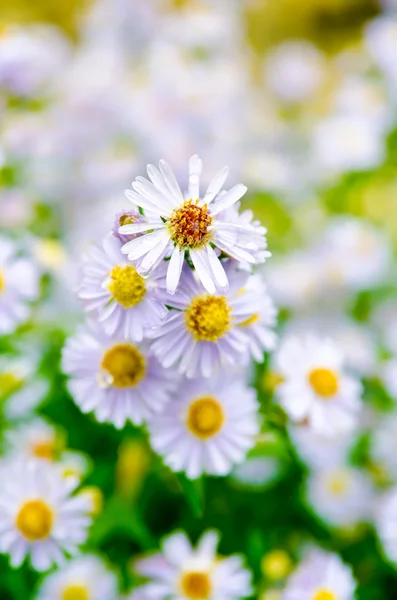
<point>2,281</point>
<point>324,382</point>
<point>189,225</point>
<point>325,595</point>
<point>35,520</point>
<point>205,417</point>
<point>9,383</point>
<point>124,365</point>
<point>196,585</point>
<point>338,483</point>
<point>276,565</point>
<point>127,219</point>
<point>250,321</point>
<point>75,592</point>
<point>127,287</point>
<point>208,318</point>
<point>44,449</point>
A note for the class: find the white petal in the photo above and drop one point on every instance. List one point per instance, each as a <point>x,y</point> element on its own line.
<point>139,200</point>
<point>216,185</point>
<point>217,270</point>
<point>160,184</point>
<point>170,180</point>
<point>230,198</point>
<point>203,271</point>
<point>139,246</point>
<point>139,227</point>
<point>174,269</point>
<point>195,169</point>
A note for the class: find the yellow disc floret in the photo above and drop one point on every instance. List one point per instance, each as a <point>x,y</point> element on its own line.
<point>189,225</point>
<point>196,585</point>
<point>276,565</point>
<point>75,592</point>
<point>325,595</point>
<point>2,282</point>
<point>124,365</point>
<point>45,449</point>
<point>205,417</point>
<point>208,318</point>
<point>127,287</point>
<point>34,520</point>
<point>324,382</point>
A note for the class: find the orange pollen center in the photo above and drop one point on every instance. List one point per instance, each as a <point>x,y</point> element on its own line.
<point>44,449</point>
<point>189,225</point>
<point>324,382</point>
<point>196,585</point>
<point>34,520</point>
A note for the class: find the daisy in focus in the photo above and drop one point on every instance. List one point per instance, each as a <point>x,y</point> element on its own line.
<point>112,289</point>
<point>85,578</point>
<point>208,428</point>
<point>208,331</point>
<point>19,285</point>
<point>315,388</point>
<point>39,516</point>
<point>321,576</point>
<point>186,223</point>
<point>115,378</point>
<point>181,572</point>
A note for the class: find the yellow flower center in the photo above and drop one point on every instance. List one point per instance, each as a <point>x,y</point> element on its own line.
<point>127,219</point>
<point>34,520</point>
<point>127,287</point>
<point>250,321</point>
<point>325,595</point>
<point>124,365</point>
<point>95,495</point>
<point>208,318</point>
<point>196,585</point>
<point>338,483</point>
<point>276,565</point>
<point>9,383</point>
<point>205,417</point>
<point>324,382</point>
<point>44,449</point>
<point>2,282</point>
<point>189,225</point>
<point>75,592</point>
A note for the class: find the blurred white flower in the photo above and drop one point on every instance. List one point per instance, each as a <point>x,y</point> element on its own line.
<point>319,451</point>
<point>38,515</point>
<point>22,388</point>
<point>321,576</point>
<point>386,523</point>
<point>315,388</point>
<point>19,284</point>
<point>85,578</point>
<point>342,496</point>
<point>36,439</point>
<point>383,448</point>
<point>181,572</point>
<point>208,428</point>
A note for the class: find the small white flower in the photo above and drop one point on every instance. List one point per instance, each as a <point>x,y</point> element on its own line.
<point>315,387</point>
<point>319,451</point>
<point>321,576</point>
<point>208,428</point>
<point>115,378</point>
<point>386,524</point>
<point>208,331</point>
<point>384,445</point>
<point>121,299</point>
<point>189,224</point>
<point>19,284</point>
<point>389,376</point>
<point>38,515</point>
<point>181,572</point>
<point>257,472</point>
<point>85,578</point>
<point>22,388</point>
<point>36,439</point>
<point>342,496</point>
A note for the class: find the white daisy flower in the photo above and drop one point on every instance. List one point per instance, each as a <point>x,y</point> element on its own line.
<point>19,284</point>
<point>342,496</point>
<point>181,572</point>
<point>39,516</point>
<point>188,223</point>
<point>21,387</point>
<point>321,576</point>
<point>112,288</point>
<point>36,439</point>
<point>315,387</point>
<point>208,331</point>
<point>208,428</point>
<point>386,524</point>
<point>319,451</point>
<point>85,578</point>
<point>115,378</point>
